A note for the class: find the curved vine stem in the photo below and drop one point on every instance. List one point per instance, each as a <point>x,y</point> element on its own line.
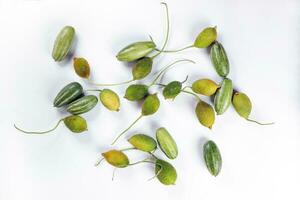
<point>97,90</point>
<point>113,174</point>
<point>168,31</point>
<point>111,84</point>
<point>263,124</point>
<point>191,93</point>
<point>163,70</point>
<point>141,161</point>
<point>39,132</point>
<point>123,132</point>
<point>98,162</point>
<point>174,51</point>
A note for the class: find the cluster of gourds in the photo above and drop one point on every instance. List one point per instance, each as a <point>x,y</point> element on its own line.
<point>74,100</point>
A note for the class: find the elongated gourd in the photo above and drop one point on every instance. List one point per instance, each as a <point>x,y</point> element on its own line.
<point>68,94</point>
<point>63,43</point>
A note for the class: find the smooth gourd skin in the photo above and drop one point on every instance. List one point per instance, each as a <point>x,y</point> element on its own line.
<point>136,92</point>
<point>110,99</point>
<point>205,114</point>
<point>68,94</point>
<point>142,68</point>
<point>75,123</point>
<point>205,87</point>
<point>242,104</point>
<point>82,67</point>
<point>223,96</point>
<point>136,51</point>
<point>166,143</point>
<point>150,105</point>
<point>219,59</point>
<point>63,43</point>
<point>206,37</point>
<point>212,157</point>
<point>82,105</point>
<point>172,89</point>
<point>143,142</point>
<point>116,158</point>
<point>165,172</point>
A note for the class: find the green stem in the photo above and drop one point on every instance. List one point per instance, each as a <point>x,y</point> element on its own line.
<point>142,161</point>
<point>186,87</point>
<point>123,132</point>
<point>168,31</point>
<point>159,171</point>
<point>173,51</point>
<point>163,70</point>
<point>39,132</point>
<point>188,92</point>
<point>98,162</point>
<point>186,78</point>
<point>111,84</point>
<point>153,155</point>
<point>113,175</point>
<point>251,120</point>
<point>128,149</point>
<point>98,90</point>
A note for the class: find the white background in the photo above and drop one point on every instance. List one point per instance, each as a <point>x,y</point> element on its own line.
<point>262,42</point>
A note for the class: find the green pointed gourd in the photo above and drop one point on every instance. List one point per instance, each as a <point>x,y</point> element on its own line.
<point>110,99</point>
<point>116,158</point>
<point>206,37</point>
<point>166,143</point>
<point>68,94</point>
<point>75,123</point>
<point>223,96</point>
<point>150,105</point>
<point>143,142</point>
<point>172,89</point>
<point>136,51</point>
<point>82,67</point>
<point>242,104</point>
<point>136,92</point>
<point>82,105</point>
<point>205,114</point>
<point>219,59</point>
<point>63,43</point>
<point>205,87</point>
<point>165,172</point>
<point>212,157</point>
<point>142,68</point>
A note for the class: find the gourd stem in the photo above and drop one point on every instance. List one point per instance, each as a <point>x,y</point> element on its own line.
<point>163,70</point>
<point>98,162</point>
<point>128,149</point>
<point>173,51</point>
<point>39,132</point>
<point>188,92</point>
<point>142,161</point>
<point>159,171</point>
<point>113,175</point>
<point>98,90</point>
<point>168,31</point>
<point>123,132</point>
<point>111,84</point>
<point>153,155</point>
<point>186,87</point>
<point>251,120</point>
<point>186,78</point>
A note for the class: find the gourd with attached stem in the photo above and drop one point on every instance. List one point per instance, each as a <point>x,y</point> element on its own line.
<point>204,39</point>
<point>243,106</point>
<point>74,123</point>
<point>143,66</point>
